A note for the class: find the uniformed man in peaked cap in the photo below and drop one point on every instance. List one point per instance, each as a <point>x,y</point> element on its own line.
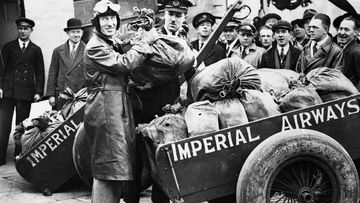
<point>203,23</point>
<point>231,34</point>
<point>156,97</point>
<point>175,15</point>
<point>21,80</point>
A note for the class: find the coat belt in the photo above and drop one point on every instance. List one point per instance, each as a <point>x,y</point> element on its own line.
<point>108,87</point>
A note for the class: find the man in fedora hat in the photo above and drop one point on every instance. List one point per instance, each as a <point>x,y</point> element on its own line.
<point>283,55</point>
<point>203,23</point>
<point>66,67</point>
<point>21,80</point>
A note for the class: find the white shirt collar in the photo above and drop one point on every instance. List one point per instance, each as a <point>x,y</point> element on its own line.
<point>286,48</point>
<point>321,42</point>
<point>170,33</point>
<point>71,45</point>
<point>22,42</point>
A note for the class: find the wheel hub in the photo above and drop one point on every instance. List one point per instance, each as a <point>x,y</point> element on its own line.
<point>306,195</point>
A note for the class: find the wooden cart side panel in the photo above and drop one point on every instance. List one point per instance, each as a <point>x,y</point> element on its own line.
<point>212,162</point>
<point>49,164</point>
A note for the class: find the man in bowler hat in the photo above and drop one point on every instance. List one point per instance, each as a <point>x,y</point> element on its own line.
<point>66,67</point>
<point>21,80</point>
<point>203,23</point>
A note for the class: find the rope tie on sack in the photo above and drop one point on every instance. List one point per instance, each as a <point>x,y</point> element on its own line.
<point>230,88</point>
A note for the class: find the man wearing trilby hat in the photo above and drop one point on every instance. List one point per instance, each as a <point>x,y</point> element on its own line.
<point>108,118</point>
<point>66,67</point>
<point>21,80</point>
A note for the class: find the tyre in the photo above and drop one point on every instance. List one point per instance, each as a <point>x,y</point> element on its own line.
<point>298,166</point>
<point>81,156</point>
<point>82,162</point>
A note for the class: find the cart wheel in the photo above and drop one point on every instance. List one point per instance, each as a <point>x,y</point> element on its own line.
<point>298,166</point>
<point>81,156</point>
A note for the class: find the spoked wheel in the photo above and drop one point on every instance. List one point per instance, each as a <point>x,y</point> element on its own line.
<point>303,180</point>
<point>298,166</point>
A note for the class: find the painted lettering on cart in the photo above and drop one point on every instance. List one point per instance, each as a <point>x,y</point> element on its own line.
<point>216,142</point>
<point>52,142</point>
<point>320,115</point>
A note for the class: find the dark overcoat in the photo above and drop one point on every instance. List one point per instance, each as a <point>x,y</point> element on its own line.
<point>329,55</point>
<point>23,74</point>
<point>216,53</point>
<point>66,72</point>
<point>108,118</point>
<point>352,62</point>
<point>268,59</point>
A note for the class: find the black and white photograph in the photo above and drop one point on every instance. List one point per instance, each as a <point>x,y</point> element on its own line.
<point>179,101</point>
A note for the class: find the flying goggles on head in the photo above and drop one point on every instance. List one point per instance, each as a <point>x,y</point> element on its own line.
<point>145,19</point>
<point>102,6</point>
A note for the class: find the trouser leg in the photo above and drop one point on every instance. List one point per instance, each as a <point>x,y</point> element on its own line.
<point>22,112</point>
<point>105,191</point>
<point>157,195</point>
<point>6,114</point>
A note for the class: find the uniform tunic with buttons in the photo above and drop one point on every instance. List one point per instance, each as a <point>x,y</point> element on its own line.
<point>108,118</point>
<point>23,74</point>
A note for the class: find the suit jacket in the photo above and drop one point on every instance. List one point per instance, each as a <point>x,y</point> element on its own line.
<point>268,59</point>
<point>352,62</point>
<point>217,53</point>
<point>65,72</point>
<point>23,73</point>
<point>329,55</point>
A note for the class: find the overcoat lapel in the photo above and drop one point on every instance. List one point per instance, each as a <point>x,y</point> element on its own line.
<point>65,55</point>
<point>78,57</point>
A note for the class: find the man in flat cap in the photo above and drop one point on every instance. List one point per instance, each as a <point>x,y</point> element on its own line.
<point>247,50</point>
<point>66,67</point>
<point>21,80</point>
<point>321,51</point>
<point>283,55</point>
<point>300,34</point>
<point>203,23</point>
<point>231,35</point>
<point>270,19</point>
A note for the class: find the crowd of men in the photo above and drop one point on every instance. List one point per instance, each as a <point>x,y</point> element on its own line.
<point>103,67</point>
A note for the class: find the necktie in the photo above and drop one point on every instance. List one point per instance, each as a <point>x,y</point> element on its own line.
<point>315,48</point>
<point>23,47</point>
<point>282,54</point>
<point>243,53</point>
<point>201,44</point>
<point>73,51</point>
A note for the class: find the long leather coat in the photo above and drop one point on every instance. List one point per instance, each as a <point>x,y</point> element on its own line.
<point>329,55</point>
<point>23,74</point>
<point>108,117</point>
<point>65,72</point>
